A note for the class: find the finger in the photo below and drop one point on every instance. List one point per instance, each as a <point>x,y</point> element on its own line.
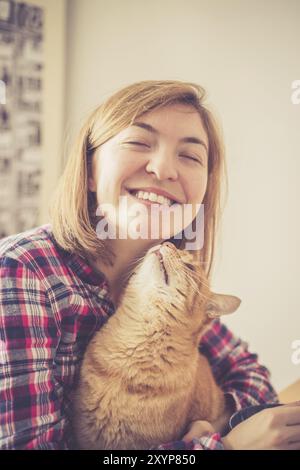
<point>292,417</point>
<point>296,417</point>
<point>293,403</point>
<point>200,426</point>
<point>296,423</point>
<point>291,434</point>
<point>289,438</point>
<point>290,414</point>
<point>188,437</point>
<point>198,429</point>
<point>290,446</point>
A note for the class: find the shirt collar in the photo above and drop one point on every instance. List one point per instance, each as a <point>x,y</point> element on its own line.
<point>80,266</point>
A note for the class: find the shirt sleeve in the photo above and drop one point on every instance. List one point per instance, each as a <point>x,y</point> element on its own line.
<point>238,373</point>
<point>237,370</point>
<point>30,405</point>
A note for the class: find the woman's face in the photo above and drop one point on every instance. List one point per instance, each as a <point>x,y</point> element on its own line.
<point>166,149</point>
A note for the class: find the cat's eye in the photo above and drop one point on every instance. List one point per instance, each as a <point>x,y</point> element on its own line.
<point>190,266</point>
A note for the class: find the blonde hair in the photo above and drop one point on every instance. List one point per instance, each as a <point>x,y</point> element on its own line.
<point>73,207</point>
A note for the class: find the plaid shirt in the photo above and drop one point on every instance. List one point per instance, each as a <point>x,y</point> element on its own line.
<point>51,304</point>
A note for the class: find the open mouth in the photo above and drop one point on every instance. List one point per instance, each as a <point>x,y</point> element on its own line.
<point>148,202</point>
<point>162,266</point>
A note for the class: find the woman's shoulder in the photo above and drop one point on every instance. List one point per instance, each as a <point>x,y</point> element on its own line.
<point>37,253</point>
<point>35,249</point>
<point>28,242</point>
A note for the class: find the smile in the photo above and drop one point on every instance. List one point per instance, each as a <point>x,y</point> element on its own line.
<point>149,198</point>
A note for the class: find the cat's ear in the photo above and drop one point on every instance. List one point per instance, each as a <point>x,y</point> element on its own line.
<point>221,304</point>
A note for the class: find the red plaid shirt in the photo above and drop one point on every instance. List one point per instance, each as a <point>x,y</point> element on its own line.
<point>51,304</point>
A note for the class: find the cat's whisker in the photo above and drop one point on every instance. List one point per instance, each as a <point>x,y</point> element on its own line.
<point>204,296</point>
<point>195,279</point>
<point>132,265</point>
<point>195,286</point>
<point>195,276</point>
<point>198,277</point>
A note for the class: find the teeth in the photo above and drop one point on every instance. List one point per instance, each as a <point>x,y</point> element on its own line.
<point>152,197</point>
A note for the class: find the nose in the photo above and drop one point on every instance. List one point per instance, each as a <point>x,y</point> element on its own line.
<point>154,248</point>
<point>157,248</point>
<point>163,166</point>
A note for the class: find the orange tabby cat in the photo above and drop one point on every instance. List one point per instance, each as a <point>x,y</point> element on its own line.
<point>143,380</point>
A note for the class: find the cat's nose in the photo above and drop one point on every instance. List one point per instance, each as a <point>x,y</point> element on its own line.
<point>157,248</point>
<point>154,248</point>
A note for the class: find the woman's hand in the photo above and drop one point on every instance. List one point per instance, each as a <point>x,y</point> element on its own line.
<point>198,429</point>
<point>275,428</point>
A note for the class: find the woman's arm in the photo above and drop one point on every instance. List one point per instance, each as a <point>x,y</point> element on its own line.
<point>271,429</point>
<point>244,381</point>
<point>30,405</point>
<point>237,371</point>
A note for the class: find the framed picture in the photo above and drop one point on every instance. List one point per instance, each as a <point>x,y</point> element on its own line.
<point>32,61</point>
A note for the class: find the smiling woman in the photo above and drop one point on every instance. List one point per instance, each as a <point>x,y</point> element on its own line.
<point>152,143</point>
<point>157,166</point>
<point>153,134</point>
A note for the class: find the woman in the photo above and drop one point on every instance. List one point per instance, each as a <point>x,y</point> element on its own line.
<point>61,281</point>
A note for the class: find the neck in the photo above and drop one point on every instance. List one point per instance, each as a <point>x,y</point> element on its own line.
<point>128,254</point>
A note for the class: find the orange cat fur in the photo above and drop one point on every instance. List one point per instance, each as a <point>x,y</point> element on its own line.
<point>143,379</point>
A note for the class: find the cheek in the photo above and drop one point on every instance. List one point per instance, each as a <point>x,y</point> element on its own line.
<point>113,170</point>
<point>195,187</point>
<point>127,166</point>
<point>113,173</point>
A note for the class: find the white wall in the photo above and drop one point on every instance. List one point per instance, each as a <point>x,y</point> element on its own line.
<point>245,53</point>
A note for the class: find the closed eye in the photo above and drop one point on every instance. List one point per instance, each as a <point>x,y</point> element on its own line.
<point>191,158</point>
<point>190,266</point>
<point>142,144</point>
<point>137,143</point>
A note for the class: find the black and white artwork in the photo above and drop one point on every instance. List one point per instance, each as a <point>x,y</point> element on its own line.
<point>21,109</point>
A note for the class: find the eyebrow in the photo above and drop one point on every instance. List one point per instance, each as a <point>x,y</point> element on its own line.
<point>190,140</point>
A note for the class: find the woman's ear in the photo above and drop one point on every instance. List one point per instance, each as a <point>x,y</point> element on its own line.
<point>221,304</point>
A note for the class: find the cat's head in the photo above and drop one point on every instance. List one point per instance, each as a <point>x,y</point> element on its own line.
<point>173,279</point>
